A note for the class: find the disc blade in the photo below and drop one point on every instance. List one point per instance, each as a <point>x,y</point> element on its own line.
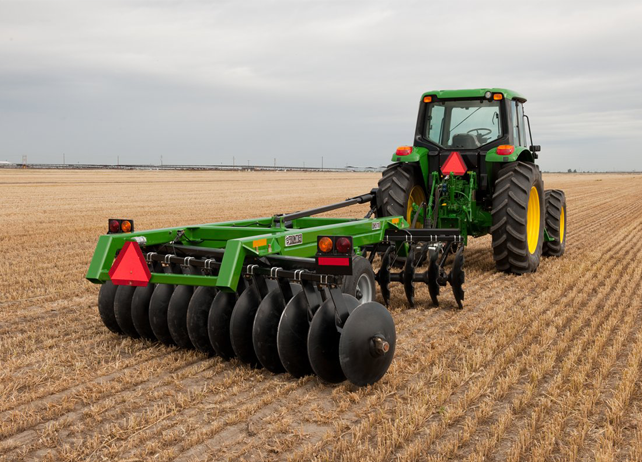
<point>177,316</point>
<point>140,311</point>
<point>292,337</point>
<point>323,341</point>
<point>197,312</point>
<point>106,306</point>
<point>362,356</point>
<point>158,305</point>
<point>433,274</point>
<point>383,276</point>
<point>218,323</point>
<point>264,330</point>
<point>241,324</point>
<point>123,310</point>
<point>457,277</point>
<point>408,275</point>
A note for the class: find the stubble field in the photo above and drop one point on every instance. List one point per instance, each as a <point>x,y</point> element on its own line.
<point>545,366</point>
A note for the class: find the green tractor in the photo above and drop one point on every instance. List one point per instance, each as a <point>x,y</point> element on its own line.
<point>472,167</point>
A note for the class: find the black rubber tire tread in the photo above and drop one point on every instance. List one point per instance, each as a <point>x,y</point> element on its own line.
<point>360,266</point>
<point>395,185</point>
<point>510,204</point>
<point>106,307</point>
<point>140,311</point>
<point>555,200</point>
<point>123,310</point>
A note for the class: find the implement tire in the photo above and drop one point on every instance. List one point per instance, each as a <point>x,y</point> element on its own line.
<point>401,186</point>
<point>518,218</point>
<point>555,222</point>
<point>361,284</point>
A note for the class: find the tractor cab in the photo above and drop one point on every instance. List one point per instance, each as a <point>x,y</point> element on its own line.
<point>486,127</point>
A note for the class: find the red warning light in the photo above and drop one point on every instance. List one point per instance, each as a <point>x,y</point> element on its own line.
<point>130,268</point>
<point>454,164</point>
<point>114,226</point>
<point>343,245</point>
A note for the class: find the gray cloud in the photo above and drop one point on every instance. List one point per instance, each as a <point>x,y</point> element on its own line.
<point>202,82</point>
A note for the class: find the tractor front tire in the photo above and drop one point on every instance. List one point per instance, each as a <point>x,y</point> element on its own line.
<point>518,218</point>
<point>401,186</point>
<point>555,201</point>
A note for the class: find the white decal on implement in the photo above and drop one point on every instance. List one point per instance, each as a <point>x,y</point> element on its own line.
<point>293,239</point>
<point>376,225</point>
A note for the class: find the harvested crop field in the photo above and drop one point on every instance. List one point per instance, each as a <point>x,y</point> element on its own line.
<point>545,366</point>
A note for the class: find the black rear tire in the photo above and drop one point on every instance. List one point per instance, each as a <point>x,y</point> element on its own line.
<point>555,200</point>
<point>400,184</point>
<point>518,218</point>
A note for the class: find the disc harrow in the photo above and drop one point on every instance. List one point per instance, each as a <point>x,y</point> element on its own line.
<point>289,293</point>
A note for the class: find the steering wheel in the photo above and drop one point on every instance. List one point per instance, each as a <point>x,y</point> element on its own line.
<point>481,132</point>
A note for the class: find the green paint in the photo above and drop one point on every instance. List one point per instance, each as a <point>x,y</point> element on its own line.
<point>521,153</point>
<point>239,239</point>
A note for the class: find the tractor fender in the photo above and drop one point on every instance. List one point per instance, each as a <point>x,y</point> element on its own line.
<point>420,156</point>
<point>521,154</point>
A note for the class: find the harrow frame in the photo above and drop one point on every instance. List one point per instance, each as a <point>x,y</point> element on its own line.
<point>225,251</point>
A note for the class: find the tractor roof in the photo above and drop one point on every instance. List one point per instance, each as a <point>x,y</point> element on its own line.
<point>475,93</point>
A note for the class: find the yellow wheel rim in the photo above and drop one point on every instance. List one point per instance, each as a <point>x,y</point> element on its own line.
<point>562,226</point>
<point>533,220</point>
<point>417,196</point>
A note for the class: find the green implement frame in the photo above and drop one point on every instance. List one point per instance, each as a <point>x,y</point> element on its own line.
<point>286,240</point>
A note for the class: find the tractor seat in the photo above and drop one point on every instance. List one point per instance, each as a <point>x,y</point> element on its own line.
<point>464,141</point>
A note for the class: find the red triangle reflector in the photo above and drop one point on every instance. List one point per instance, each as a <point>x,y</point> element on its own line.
<point>454,164</point>
<point>130,268</point>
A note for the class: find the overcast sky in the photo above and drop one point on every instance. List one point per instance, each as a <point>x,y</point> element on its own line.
<point>203,82</point>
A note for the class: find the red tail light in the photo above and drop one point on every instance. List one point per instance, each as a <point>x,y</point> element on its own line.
<point>343,245</point>
<point>114,226</point>
<point>505,150</point>
<point>117,225</point>
<point>404,150</point>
